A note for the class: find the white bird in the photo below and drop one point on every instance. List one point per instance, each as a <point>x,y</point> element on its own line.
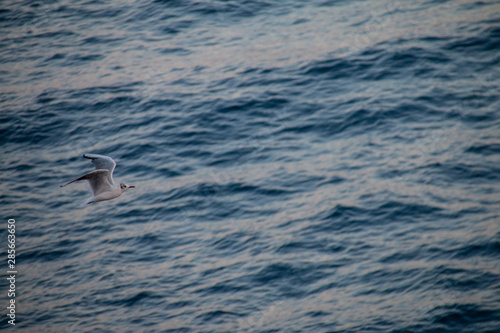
<point>101,179</point>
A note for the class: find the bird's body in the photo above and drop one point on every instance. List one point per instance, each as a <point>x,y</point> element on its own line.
<point>101,179</point>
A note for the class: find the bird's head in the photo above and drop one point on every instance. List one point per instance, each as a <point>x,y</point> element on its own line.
<point>124,187</point>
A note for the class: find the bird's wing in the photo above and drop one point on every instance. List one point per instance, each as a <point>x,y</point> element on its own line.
<point>98,180</point>
<point>103,162</point>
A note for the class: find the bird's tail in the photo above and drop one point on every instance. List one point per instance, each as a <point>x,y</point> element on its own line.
<point>87,202</point>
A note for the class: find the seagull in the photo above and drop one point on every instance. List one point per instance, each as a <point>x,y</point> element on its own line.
<point>101,179</point>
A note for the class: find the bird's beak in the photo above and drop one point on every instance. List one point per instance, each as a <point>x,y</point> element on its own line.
<point>131,186</point>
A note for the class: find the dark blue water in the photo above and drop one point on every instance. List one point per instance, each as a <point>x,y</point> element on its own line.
<point>320,166</point>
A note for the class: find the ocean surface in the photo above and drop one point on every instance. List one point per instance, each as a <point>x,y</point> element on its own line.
<point>300,166</point>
